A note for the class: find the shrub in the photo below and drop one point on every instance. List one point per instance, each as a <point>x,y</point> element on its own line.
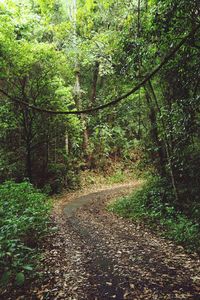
<point>117,177</point>
<point>23,221</point>
<point>56,177</point>
<point>153,204</point>
<point>183,230</point>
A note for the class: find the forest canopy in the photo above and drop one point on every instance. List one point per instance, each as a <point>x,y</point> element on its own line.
<point>68,56</point>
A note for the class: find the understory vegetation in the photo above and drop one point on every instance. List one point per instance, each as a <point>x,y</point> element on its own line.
<point>154,205</point>
<point>85,85</point>
<point>24,219</point>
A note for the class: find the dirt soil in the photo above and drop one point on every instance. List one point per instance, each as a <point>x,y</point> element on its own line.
<point>96,255</point>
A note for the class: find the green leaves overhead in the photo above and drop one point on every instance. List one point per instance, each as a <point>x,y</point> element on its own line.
<point>78,54</point>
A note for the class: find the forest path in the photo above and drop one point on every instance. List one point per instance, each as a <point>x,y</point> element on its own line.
<point>96,255</point>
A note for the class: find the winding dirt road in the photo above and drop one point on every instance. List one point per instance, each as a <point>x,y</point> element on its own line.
<point>96,255</point>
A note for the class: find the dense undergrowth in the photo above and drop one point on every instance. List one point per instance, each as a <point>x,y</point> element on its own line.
<point>24,218</point>
<point>118,172</point>
<point>154,205</point>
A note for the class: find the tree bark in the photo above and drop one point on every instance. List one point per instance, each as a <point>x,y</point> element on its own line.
<point>154,136</point>
<point>29,160</point>
<point>77,91</point>
<point>94,82</point>
<point>166,143</point>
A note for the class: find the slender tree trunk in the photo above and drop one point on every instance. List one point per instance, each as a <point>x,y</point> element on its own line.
<point>55,148</point>
<point>139,65</point>
<point>66,143</point>
<point>29,160</point>
<point>83,118</point>
<point>94,82</point>
<point>138,21</point>
<point>154,136</point>
<point>77,87</point>
<point>166,143</point>
<point>27,126</point>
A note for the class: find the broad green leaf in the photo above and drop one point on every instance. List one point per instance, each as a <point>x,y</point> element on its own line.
<point>28,268</point>
<point>20,279</point>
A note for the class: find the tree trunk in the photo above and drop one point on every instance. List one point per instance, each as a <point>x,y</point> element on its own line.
<point>154,136</point>
<point>94,82</point>
<point>27,126</point>
<point>83,118</point>
<point>28,160</point>
<point>66,143</point>
<point>166,143</point>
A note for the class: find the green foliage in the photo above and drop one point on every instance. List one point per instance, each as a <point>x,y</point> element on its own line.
<point>117,177</point>
<point>33,71</point>
<point>20,279</point>
<point>56,177</point>
<point>152,204</point>
<point>66,57</point>
<point>23,222</point>
<point>183,230</point>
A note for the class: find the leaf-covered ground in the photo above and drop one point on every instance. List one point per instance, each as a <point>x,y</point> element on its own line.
<point>97,255</point>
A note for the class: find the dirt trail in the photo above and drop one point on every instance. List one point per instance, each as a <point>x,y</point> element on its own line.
<point>104,283</point>
<point>96,255</point>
